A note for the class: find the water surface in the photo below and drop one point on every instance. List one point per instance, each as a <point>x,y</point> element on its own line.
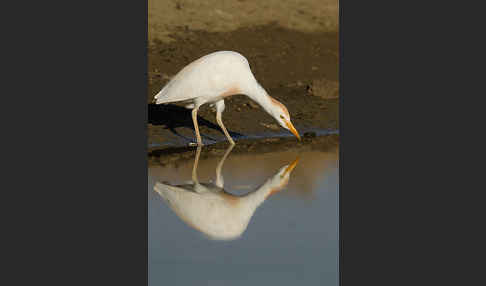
<point>245,219</point>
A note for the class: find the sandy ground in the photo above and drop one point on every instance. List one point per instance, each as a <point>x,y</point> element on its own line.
<point>167,16</point>
<point>292,47</point>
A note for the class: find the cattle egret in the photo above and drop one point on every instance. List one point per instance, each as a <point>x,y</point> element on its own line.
<point>214,77</point>
<point>211,210</point>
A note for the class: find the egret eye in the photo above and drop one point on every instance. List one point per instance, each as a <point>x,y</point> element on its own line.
<point>281,116</point>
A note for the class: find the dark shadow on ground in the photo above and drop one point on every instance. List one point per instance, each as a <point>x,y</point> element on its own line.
<point>172,116</point>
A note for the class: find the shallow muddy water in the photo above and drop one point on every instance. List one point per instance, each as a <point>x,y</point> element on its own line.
<point>242,218</point>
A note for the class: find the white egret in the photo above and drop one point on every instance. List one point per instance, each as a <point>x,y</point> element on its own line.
<point>211,210</point>
<point>214,77</point>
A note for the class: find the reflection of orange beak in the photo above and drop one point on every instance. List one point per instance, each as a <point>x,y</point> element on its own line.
<point>291,167</point>
<point>292,129</point>
<point>285,182</point>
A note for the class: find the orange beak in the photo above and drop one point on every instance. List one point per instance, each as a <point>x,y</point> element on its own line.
<point>292,129</point>
<point>291,166</point>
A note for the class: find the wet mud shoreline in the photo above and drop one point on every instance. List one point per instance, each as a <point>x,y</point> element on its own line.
<point>309,143</point>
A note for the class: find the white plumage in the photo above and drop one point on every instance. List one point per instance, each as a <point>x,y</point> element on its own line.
<point>214,77</point>
<point>206,77</point>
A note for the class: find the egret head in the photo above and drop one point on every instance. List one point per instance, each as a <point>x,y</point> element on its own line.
<point>281,114</point>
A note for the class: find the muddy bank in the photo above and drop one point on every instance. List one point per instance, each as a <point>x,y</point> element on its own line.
<point>291,50</point>
<point>310,142</point>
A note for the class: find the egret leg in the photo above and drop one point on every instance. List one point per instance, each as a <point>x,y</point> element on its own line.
<point>219,111</point>
<point>220,123</point>
<point>196,126</point>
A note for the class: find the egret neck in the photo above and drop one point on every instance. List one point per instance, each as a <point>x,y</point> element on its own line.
<point>260,95</point>
<point>273,107</point>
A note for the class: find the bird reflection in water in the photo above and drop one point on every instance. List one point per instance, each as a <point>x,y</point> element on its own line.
<point>208,208</point>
